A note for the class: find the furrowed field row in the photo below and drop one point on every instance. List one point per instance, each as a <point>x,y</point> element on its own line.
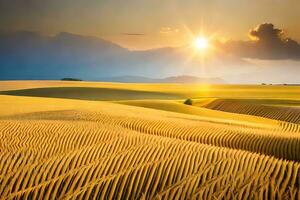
<point>277,143</point>
<point>271,142</point>
<point>273,112</point>
<point>140,165</point>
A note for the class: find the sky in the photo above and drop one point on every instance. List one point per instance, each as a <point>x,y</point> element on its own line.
<point>146,24</point>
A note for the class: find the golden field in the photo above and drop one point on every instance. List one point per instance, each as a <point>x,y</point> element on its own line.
<point>80,140</point>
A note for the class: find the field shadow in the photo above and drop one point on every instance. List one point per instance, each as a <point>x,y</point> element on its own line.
<point>87,93</point>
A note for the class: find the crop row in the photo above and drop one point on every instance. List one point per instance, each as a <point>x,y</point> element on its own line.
<point>46,159</point>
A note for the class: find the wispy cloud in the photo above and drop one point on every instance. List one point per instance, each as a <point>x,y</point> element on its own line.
<point>168,30</point>
<point>134,34</point>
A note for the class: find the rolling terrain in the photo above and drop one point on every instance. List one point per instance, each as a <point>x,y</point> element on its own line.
<point>76,140</point>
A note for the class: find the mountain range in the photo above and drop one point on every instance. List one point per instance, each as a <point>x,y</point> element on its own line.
<point>30,55</point>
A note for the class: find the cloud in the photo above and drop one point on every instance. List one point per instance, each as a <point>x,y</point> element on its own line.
<point>168,30</point>
<point>134,34</point>
<point>267,32</point>
<point>267,42</point>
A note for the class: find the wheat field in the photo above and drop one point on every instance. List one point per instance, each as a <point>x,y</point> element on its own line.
<point>117,145</point>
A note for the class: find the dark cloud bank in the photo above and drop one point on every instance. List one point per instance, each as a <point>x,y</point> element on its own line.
<point>267,42</point>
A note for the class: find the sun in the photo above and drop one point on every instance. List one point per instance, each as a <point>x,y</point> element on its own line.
<point>201,43</point>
